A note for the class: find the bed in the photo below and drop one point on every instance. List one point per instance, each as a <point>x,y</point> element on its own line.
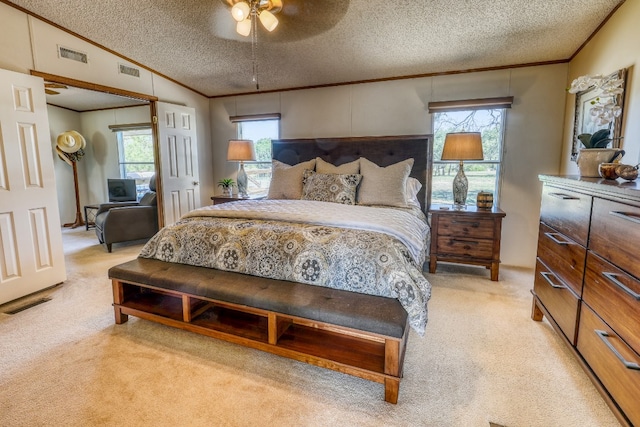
<point>327,270</point>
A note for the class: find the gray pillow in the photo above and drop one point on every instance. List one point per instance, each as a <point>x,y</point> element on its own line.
<point>330,187</point>
<point>384,186</point>
<point>346,168</point>
<point>286,180</point>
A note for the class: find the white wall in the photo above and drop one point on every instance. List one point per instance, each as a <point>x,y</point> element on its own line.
<point>614,47</point>
<point>533,139</point>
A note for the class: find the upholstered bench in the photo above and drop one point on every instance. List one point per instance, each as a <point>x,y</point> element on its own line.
<point>357,334</point>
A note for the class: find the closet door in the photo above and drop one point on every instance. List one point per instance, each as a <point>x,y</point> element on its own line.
<point>31,254</point>
<point>178,146</point>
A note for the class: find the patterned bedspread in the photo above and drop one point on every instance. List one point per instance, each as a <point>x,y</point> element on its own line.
<point>308,242</point>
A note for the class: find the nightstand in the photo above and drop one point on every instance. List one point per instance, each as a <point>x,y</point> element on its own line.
<point>221,198</point>
<point>466,236</point>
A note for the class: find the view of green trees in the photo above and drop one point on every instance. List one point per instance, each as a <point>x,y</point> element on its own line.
<point>482,176</point>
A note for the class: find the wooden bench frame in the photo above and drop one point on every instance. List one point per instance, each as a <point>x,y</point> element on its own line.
<point>363,354</point>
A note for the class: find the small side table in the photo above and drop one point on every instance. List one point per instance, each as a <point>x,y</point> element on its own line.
<point>466,236</point>
<point>90,215</point>
<point>222,198</point>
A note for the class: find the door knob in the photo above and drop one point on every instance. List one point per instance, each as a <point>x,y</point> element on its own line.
<point>196,183</point>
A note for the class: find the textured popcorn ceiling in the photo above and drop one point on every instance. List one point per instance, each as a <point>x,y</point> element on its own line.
<point>321,42</point>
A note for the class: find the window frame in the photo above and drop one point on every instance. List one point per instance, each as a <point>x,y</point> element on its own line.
<point>485,104</point>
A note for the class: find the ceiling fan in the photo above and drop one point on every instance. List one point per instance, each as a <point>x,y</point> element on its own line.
<point>48,88</point>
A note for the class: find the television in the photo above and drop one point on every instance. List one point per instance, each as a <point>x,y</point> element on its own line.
<point>122,190</point>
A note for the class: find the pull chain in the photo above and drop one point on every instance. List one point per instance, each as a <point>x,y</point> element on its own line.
<point>254,43</point>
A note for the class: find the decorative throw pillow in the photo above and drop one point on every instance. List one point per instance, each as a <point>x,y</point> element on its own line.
<point>286,180</point>
<point>346,168</point>
<point>330,187</point>
<point>384,185</point>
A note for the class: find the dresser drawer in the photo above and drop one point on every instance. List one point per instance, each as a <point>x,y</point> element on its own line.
<point>615,364</point>
<point>615,233</point>
<point>461,226</point>
<point>563,256</point>
<point>567,212</point>
<point>558,299</point>
<point>615,296</point>
<point>465,247</point>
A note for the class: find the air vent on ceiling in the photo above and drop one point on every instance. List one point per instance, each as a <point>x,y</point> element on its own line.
<point>73,55</point>
<point>130,71</point>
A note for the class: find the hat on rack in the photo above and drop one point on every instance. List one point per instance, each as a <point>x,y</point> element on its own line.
<point>70,141</point>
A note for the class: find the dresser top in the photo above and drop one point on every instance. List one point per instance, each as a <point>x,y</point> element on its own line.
<point>618,189</point>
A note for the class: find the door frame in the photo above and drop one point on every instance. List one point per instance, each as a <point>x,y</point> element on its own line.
<point>150,99</point>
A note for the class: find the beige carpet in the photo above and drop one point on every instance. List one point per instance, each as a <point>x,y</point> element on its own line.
<point>482,361</point>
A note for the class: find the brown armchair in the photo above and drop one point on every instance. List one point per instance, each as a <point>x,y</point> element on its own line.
<point>126,221</point>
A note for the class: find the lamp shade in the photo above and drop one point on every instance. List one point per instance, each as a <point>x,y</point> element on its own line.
<point>462,146</point>
<point>244,27</point>
<point>269,21</point>
<point>240,11</point>
<point>241,150</point>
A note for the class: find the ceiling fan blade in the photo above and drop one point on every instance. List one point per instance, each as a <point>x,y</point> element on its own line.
<point>51,92</point>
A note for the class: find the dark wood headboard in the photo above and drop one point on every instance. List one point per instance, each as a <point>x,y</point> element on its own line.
<point>382,150</point>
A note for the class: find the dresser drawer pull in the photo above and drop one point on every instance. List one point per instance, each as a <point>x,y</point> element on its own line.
<point>615,281</point>
<point>563,196</point>
<point>628,216</point>
<point>553,237</point>
<point>603,336</point>
<point>469,223</point>
<point>545,275</point>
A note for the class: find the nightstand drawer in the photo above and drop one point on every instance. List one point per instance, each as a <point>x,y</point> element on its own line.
<point>615,233</point>
<point>460,226</point>
<point>614,363</point>
<point>465,247</point>
<point>615,296</point>
<point>561,303</point>
<point>563,256</point>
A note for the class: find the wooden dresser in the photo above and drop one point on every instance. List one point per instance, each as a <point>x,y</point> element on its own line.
<point>587,281</point>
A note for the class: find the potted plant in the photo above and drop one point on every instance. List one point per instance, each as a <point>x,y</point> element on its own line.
<point>227,186</point>
<point>604,110</point>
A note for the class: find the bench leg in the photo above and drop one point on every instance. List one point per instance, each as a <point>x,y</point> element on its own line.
<point>120,317</point>
<point>118,298</point>
<point>391,389</point>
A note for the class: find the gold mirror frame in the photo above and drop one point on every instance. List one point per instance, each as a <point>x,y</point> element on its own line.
<point>583,104</point>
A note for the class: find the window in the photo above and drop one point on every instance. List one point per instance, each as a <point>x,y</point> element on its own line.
<point>135,157</point>
<point>483,175</point>
<point>261,132</point>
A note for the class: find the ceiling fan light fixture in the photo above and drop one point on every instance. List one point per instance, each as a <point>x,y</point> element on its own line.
<point>268,20</point>
<point>240,11</point>
<point>244,27</point>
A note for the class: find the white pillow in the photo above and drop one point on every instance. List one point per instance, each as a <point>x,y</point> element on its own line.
<point>384,185</point>
<point>286,180</point>
<point>411,192</point>
<point>344,169</point>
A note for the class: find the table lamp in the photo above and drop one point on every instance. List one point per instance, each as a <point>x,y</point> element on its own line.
<point>461,146</point>
<point>241,150</point>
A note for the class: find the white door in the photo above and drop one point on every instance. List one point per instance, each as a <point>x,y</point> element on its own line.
<point>31,255</point>
<point>178,160</point>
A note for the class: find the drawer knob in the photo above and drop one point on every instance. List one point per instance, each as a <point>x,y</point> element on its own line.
<point>603,336</point>
<point>612,277</point>
<point>626,216</point>
<point>546,276</point>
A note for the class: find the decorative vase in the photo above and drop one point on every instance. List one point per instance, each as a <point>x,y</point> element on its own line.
<point>589,160</point>
<point>229,191</point>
